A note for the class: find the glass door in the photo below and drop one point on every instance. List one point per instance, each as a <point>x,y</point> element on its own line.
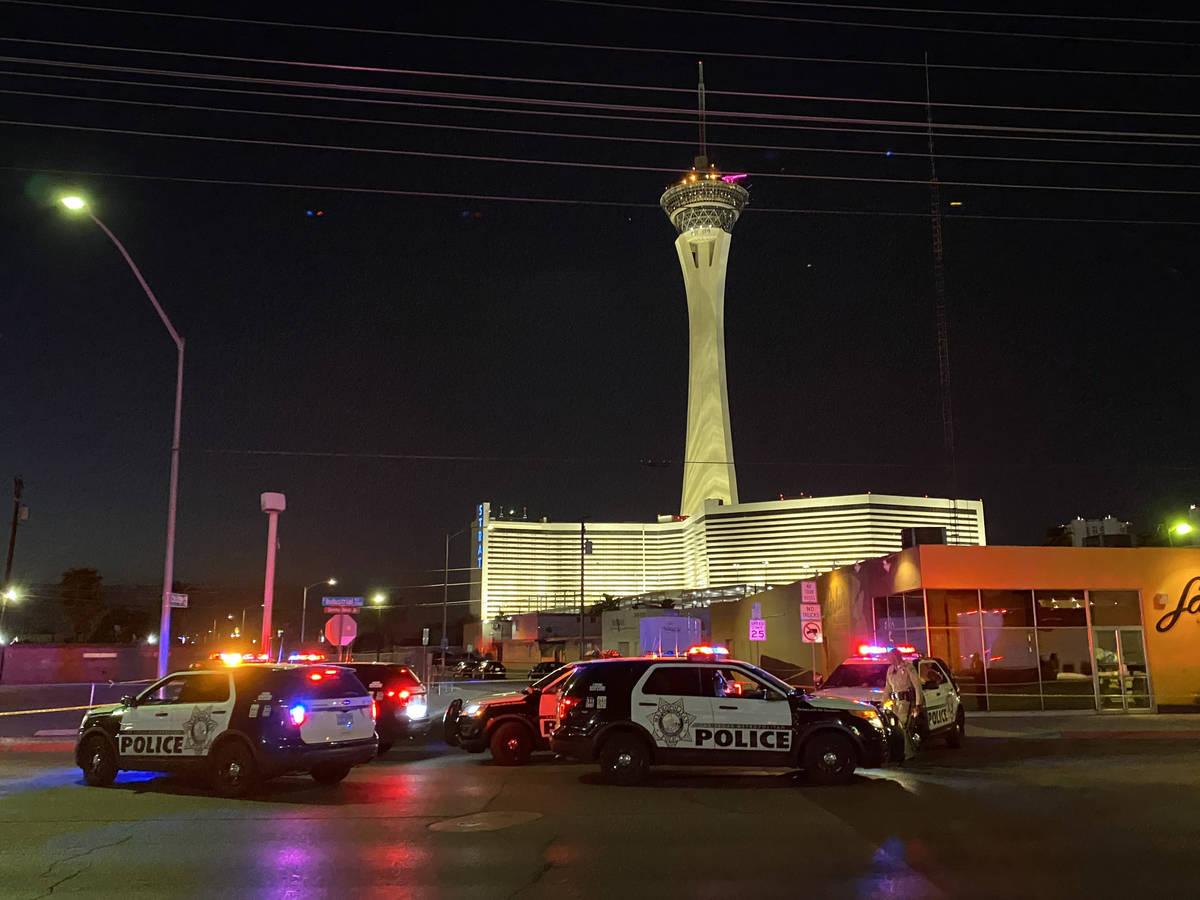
<point>1122,679</point>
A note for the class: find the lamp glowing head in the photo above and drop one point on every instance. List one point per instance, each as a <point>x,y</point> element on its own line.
<point>1183,529</point>
<point>378,598</point>
<point>331,582</point>
<point>73,203</point>
<point>10,595</point>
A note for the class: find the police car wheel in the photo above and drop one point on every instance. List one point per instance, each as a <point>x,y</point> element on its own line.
<point>511,744</point>
<point>829,759</point>
<point>99,762</point>
<point>450,722</point>
<point>234,773</point>
<point>624,759</point>
<point>956,735</point>
<point>384,747</point>
<point>329,773</point>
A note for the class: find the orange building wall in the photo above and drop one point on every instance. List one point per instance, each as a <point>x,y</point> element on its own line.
<point>1160,573</point>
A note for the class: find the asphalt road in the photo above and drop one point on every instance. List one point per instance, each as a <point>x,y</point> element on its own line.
<point>1000,818</point>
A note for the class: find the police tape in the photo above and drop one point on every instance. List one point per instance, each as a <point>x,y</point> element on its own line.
<point>34,712</point>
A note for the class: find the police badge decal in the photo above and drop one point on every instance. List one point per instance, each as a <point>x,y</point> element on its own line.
<point>672,723</point>
<point>199,729</point>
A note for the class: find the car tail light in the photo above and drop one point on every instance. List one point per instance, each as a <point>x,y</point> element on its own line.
<point>565,704</point>
<point>374,710</point>
<point>298,714</point>
<point>315,676</point>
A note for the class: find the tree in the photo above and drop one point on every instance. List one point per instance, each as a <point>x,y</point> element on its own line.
<point>83,601</point>
<point>608,603</point>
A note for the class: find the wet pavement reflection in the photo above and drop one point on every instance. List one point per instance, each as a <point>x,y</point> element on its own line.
<point>1000,818</point>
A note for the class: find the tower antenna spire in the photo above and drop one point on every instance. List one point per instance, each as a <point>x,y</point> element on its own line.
<point>702,159</point>
<point>942,317</point>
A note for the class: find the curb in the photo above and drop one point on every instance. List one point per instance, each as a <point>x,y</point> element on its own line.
<point>18,744</point>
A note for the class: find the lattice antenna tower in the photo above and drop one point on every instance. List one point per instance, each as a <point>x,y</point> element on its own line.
<point>702,159</point>
<point>942,319</point>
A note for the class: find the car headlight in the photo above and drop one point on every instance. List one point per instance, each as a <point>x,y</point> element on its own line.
<point>870,715</point>
<point>416,709</point>
<point>472,709</point>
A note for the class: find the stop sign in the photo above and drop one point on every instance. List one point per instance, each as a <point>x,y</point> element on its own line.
<point>341,630</point>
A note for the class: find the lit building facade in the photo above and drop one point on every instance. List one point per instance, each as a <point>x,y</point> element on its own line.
<point>521,566</point>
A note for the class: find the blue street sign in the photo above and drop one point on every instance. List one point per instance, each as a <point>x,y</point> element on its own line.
<point>341,601</point>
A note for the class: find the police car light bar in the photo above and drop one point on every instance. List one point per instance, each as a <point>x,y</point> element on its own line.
<point>306,657</point>
<point>705,650</point>
<point>876,650</point>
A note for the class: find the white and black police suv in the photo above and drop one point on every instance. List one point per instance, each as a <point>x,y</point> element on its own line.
<point>512,725</point>
<point>864,677</point>
<point>238,726</point>
<point>706,710</point>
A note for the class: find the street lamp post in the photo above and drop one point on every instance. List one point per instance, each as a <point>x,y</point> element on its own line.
<point>304,606</point>
<point>446,592</point>
<point>77,204</point>
<point>379,600</point>
<point>9,595</point>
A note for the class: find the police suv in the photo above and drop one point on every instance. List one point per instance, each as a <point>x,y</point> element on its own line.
<point>401,702</point>
<point>707,710</point>
<point>512,725</point>
<point>864,677</point>
<point>237,725</point>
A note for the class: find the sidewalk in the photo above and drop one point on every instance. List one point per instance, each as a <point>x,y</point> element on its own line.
<point>1086,725</point>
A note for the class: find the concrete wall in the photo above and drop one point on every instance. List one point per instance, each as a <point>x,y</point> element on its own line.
<point>66,663</point>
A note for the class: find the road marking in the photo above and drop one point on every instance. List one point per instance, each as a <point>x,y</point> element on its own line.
<point>56,732</point>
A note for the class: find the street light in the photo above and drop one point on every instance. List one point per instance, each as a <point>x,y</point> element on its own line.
<point>78,204</point>
<point>9,596</point>
<point>304,605</point>
<point>379,600</point>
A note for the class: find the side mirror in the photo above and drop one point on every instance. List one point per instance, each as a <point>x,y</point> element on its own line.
<point>128,701</point>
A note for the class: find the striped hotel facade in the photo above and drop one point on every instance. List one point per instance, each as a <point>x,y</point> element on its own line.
<point>529,566</point>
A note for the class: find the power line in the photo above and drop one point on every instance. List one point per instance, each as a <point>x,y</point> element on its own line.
<point>608,138</point>
<point>975,32</point>
<point>738,117</point>
<point>509,160</point>
<point>971,12</point>
<point>565,113</point>
<point>614,48</point>
<point>569,201</point>
<point>557,82</point>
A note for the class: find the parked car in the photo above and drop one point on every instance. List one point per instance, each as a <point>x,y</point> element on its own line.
<point>237,725</point>
<point>490,668</point>
<point>543,668</point>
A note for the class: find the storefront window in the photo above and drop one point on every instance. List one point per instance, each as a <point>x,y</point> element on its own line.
<point>915,637</point>
<point>1060,608</point>
<point>889,619</point>
<point>962,650</point>
<point>1066,669</point>
<point>953,609</point>
<point>1013,680</point>
<point>914,610</point>
<point>1011,609</point>
<point>1115,607</point>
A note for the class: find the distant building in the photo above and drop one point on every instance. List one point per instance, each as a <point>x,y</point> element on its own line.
<point>522,566</point>
<point>1081,532</point>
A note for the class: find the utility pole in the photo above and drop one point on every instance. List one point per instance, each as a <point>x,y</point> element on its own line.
<point>582,557</point>
<point>18,487</point>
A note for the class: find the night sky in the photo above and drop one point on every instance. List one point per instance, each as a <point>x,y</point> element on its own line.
<point>542,347</point>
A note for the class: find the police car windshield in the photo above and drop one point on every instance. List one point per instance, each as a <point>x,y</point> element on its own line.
<point>768,678</point>
<point>857,675</point>
<point>550,680</point>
